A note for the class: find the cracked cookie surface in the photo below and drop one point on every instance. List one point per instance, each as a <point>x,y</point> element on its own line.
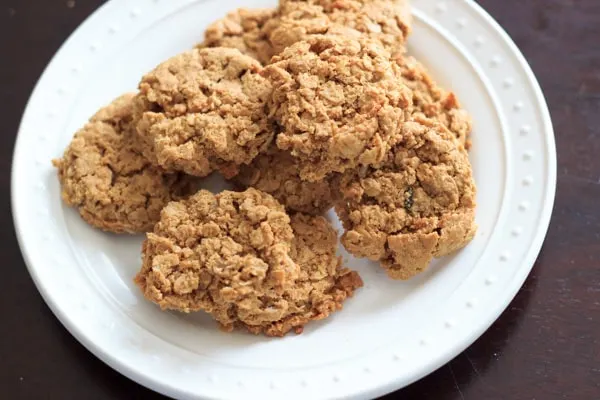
<point>104,176</point>
<point>276,172</point>
<point>338,101</point>
<point>204,110</point>
<point>388,21</point>
<point>237,256</point>
<point>432,101</point>
<point>419,203</point>
<point>322,284</point>
<point>242,29</point>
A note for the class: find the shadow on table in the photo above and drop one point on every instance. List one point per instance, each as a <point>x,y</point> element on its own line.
<point>452,381</point>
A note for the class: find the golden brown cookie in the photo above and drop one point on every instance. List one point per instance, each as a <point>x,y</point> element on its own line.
<point>104,176</point>
<point>432,101</point>
<point>419,203</point>
<point>212,249</point>
<point>242,29</point>
<point>236,256</point>
<point>297,21</point>
<point>204,110</point>
<point>322,285</point>
<point>276,172</point>
<point>338,101</point>
<point>388,21</point>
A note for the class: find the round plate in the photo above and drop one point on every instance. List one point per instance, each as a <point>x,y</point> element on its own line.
<point>391,333</point>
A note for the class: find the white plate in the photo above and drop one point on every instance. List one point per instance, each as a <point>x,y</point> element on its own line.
<point>391,333</point>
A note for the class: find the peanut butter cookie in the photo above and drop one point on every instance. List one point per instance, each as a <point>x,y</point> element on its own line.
<point>388,21</point>
<point>297,21</point>
<point>322,285</point>
<point>242,29</point>
<point>236,256</point>
<point>204,110</point>
<point>338,101</point>
<point>276,172</point>
<point>432,101</point>
<point>419,203</point>
<point>104,176</point>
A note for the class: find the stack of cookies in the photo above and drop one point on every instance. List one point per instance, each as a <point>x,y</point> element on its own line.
<point>305,107</point>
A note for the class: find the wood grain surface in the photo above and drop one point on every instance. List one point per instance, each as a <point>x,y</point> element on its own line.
<point>545,346</point>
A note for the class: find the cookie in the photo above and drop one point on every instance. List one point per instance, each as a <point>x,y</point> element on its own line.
<point>103,174</point>
<point>276,172</point>
<point>204,110</point>
<point>419,203</point>
<point>212,249</point>
<point>322,285</point>
<point>237,256</point>
<point>432,101</point>
<point>337,101</point>
<point>388,21</point>
<point>297,21</point>
<point>242,29</point>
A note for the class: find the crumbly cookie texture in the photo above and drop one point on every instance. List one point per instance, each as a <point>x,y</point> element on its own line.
<point>276,172</point>
<point>388,21</point>
<point>297,21</point>
<point>432,101</point>
<point>419,203</point>
<point>242,29</point>
<point>204,110</point>
<point>235,256</point>
<point>322,285</point>
<point>338,101</point>
<point>211,250</point>
<point>104,176</point>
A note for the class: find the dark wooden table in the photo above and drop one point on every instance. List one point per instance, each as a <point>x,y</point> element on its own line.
<point>545,346</point>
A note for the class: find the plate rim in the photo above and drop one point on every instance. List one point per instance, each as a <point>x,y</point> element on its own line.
<point>527,262</point>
